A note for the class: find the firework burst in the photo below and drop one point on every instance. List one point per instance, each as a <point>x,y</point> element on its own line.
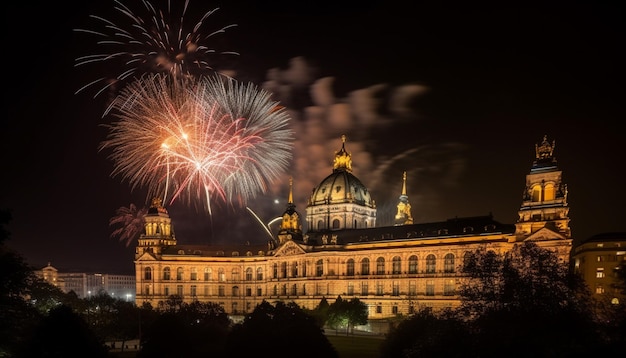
<point>153,42</point>
<point>209,137</point>
<point>130,221</point>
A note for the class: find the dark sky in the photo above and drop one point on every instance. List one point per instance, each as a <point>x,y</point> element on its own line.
<point>456,94</point>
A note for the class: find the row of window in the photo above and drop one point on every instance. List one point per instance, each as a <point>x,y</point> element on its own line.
<point>449,289</point>
<point>449,266</point>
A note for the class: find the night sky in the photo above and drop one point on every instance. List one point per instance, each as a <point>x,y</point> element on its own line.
<point>457,95</point>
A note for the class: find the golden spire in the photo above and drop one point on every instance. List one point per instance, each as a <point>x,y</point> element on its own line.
<point>404,183</point>
<point>343,159</point>
<point>290,199</point>
<point>403,216</point>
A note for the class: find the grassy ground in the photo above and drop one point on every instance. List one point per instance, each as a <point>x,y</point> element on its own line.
<point>356,346</point>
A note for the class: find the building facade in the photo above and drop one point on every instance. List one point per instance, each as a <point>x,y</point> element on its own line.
<point>598,260</point>
<point>395,270</point>
<point>90,284</point>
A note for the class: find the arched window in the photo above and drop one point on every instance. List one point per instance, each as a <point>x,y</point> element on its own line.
<point>365,266</point>
<point>283,269</point>
<point>536,193</point>
<point>179,274</point>
<point>208,273</point>
<point>221,276</point>
<point>413,264</point>
<point>448,263</point>
<point>166,274</point>
<point>336,223</point>
<point>249,274</point>
<point>147,273</point>
<point>431,263</point>
<point>380,266</point>
<point>235,274</point>
<point>259,273</point>
<point>275,270</point>
<point>549,192</point>
<point>350,267</point>
<point>319,268</point>
<point>235,291</point>
<point>194,274</point>
<point>396,265</point>
<point>320,224</point>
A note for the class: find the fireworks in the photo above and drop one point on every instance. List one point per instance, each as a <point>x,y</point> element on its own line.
<point>208,137</point>
<point>157,42</point>
<point>131,220</point>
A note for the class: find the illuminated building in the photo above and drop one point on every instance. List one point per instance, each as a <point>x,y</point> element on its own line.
<point>395,269</point>
<point>90,284</point>
<point>598,260</point>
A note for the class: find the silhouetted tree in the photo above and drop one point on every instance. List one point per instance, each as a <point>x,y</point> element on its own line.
<point>320,312</point>
<point>17,315</point>
<point>63,333</point>
<point>283,330</point>
<point>526,303</point>
<point>428,334</point>
<point>193,330</point>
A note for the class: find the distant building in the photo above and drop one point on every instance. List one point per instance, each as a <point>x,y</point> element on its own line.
<point>86,284</point>
<point>597,259</point>
<point>395,270</point>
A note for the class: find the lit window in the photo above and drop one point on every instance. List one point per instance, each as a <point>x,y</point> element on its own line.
<point>600,272</point>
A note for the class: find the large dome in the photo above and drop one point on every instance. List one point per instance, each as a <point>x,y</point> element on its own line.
<point>341,187</point>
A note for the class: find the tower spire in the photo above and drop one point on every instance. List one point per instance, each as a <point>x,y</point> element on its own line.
<point>404,183</point>
<point>403,216</point>
<point>290,226</point>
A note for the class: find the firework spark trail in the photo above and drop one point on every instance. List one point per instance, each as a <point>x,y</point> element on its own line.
<point>151,43</point>
<point>209,137</point>
<point>131,220</point>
